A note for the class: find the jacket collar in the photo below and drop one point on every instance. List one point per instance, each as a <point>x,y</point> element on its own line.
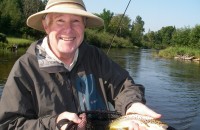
<point>49,64</point>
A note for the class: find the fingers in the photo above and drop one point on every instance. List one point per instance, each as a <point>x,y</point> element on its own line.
<point>135,126</point>
<point>152,113</point>
<point>142,128</point>
<point>79,120</point>
<point>142,109</point>
<point>70,116</point>
<point>82,124</point>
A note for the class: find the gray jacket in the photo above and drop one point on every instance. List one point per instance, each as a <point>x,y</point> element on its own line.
<point>38,88</point>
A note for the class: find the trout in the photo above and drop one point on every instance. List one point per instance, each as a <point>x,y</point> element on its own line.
<point>149,123</point>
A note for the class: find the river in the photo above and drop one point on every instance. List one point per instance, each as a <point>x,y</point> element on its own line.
<point>172,87</point>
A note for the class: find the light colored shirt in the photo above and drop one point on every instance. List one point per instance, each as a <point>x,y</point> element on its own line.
<point>46,47</point>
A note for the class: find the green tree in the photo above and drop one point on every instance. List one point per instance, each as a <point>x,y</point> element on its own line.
<point>106,16</point>
<point>121,25</point>
<point>30,7</point>
<point>137,30</point>
<point>149,39</point>
<point>181,37</point>
<point>13,15</point>
<point>10,16</point>
<point>152,40</point>
<point>195,37</point>
<point>152,37</point>
<point>166,34</point>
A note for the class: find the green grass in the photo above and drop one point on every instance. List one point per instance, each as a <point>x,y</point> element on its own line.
<point>19,41</point>
<point>171,52</point>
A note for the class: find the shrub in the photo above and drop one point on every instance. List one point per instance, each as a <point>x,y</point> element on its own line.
<point>171,52</point>
<point>104,39</point>
<point>3,38</point>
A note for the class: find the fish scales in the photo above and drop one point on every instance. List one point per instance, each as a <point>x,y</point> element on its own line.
<point>149,123</point>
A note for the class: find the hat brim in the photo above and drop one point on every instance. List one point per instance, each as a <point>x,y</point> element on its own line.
<point>35,20</point>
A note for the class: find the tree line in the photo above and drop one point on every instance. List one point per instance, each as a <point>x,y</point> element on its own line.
<point>13,15</point>
<point>172,36</point>
<point>129,33</point>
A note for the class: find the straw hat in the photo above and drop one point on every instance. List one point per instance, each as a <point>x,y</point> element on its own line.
<point>75,7</point>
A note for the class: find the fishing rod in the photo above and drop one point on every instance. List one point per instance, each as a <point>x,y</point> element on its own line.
<point>119,26</point>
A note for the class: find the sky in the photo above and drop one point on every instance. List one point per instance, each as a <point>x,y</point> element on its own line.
<point>155,13</point>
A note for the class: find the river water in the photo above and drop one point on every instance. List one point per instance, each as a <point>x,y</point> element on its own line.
<point>172,87</point>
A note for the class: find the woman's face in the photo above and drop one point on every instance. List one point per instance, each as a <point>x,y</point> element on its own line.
<point>65,31</point>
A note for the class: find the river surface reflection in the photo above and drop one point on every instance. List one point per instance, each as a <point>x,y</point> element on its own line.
<point>172,87</point>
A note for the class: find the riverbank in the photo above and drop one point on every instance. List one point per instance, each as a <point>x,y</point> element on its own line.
<point>15,43</point>
<point>181,53</point>
<point>102,40</point>
<point>178,53</point>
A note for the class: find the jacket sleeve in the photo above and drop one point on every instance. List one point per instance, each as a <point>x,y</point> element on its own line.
<point>129,94</point>
<point>120,87</point>
<point>18,110</point>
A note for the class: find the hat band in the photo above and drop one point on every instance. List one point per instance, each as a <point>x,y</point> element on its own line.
<point>65,5</point>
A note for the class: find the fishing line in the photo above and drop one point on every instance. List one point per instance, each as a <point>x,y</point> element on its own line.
<point>119,26</point>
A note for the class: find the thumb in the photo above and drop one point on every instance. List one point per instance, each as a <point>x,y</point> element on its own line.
<point>142,109</point>
<point>70,116</point>
<point>76,119</point>
<point>151,113</point>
